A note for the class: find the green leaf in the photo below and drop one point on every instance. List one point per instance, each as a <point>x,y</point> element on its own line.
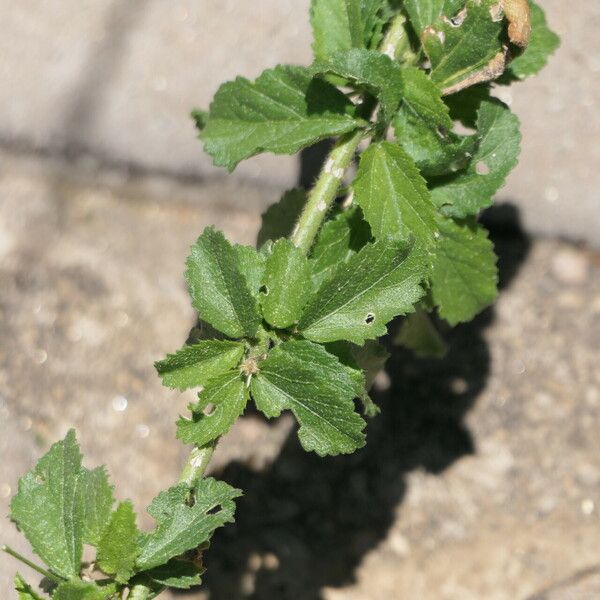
<point>370,69</point>
<point>393,195</point>
<point>544,42</point>
<point>303,377</point>
<point>252,264</point>
<point>424,128</point>
<point>498,149</point>
<point>49,507</point>
<point>82,590</point>
<point>200,118</point>
<point>229,396</point>
<point>178,574</point>
<point>420,335</point>
<point>363,362</point>
<point>340,25</point>
<point>338,240</point>
<point>197,365</point>
<point>464,45</point>
<point>284,111</point>
<point>24,590</point>
<point>464,280</point>
<point>118,548</point>
<point>218,289</point>
<point>98,502</point>
<point>184,525</point>
<point>465,104</point>
<point>423,13</point>
<point>286,285</point>
<point>380,282</point>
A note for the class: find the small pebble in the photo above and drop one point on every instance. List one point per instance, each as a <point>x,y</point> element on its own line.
<point>570,267</point>
<point>119,403</point>
<point>270,561</point>
<point>588,507</point>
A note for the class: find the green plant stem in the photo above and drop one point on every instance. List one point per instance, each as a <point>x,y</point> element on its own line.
<point>196,464</point>
<point>35,567</point>
<point>321,197</point>
<point>325,191</point>
<point>141,592</point>
<point>312,217</point>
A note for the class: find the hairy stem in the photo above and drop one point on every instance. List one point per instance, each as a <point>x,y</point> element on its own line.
<point>141,592</point>
<point>325,191</point>
<point>196,464</point>
<point>321,197</point>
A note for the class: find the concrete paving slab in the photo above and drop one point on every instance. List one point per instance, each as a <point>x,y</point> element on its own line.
<point>113,82</point>
<point>480,480</point>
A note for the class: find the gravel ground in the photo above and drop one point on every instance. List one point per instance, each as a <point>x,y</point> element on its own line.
<point>481,478</point>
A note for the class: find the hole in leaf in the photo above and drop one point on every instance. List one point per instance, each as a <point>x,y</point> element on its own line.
<point>264,290</point>
<point>442,132</point>
<point>370,319</point>
<point>459,19</point>
<point>214,510</point>
<point>481,168</point>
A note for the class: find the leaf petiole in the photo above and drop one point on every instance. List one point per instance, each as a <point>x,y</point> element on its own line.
<point>25,561</point>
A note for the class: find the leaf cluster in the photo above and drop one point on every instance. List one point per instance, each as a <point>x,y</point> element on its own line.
<point>61,506</point>
<point>295,326</point>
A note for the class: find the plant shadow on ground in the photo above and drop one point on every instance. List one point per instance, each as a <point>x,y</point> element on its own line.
<point>320,517</point>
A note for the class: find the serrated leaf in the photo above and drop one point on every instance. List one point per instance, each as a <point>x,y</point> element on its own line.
<point>82,590</point>
<point>98,502</point>
<point>252,264</point>
<point>393,195</point>
<point>218,289</point>
<point>286,285</point>
<point>340,25</point>
<point>177,574</point>
<point>423,13</point>
<point>303,377</point>
<point>200,118</point>
<point>283,111</point>
<point>423,127</point>
<point>379,283</point>
<point>543,43</point>
<point>24,590</point>
<point>464,280</point>
<point>464,44</point>
<point>370,69</point>
<point>118,548</point>
<point>279,219</point>
<point>420,335</point>
<point>465,104</point>
<point>363,364</point>
<point>198,364</point>
<point>498,149</point>
<point>229,396</point>
<point>338,240</point>
<point>183,525</point>
<point>49,507</point>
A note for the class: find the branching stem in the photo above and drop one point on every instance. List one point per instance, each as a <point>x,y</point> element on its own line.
<point>320,199</point>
